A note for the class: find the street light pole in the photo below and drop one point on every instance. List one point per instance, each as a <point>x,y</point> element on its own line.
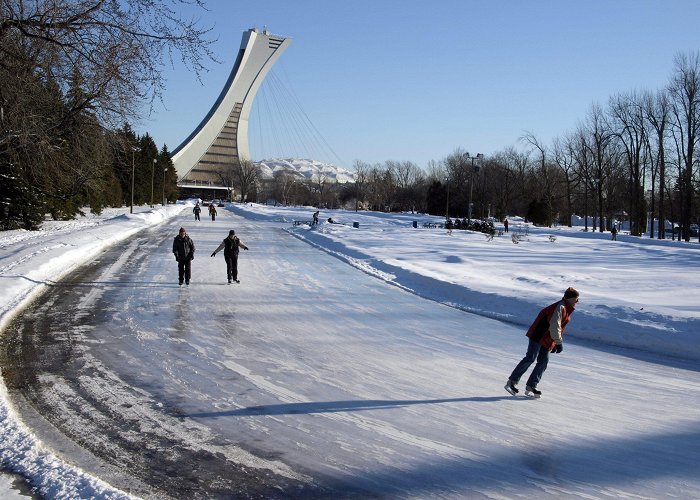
<point>163,197</point>
<point>133,171</point>
<point>475,168</point>
<point>153,170</point>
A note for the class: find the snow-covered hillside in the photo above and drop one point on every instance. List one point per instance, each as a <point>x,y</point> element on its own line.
<point>305,169</point>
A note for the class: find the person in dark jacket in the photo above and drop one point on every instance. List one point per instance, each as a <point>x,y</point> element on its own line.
<point>183,249</point>
<point>545,336</point>
<point>212,212</point>
<point>231,246</point>
<point>196,210</point>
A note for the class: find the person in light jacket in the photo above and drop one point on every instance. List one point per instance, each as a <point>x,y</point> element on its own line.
<point>183,249</point>
<point>231,246</point>
<point>545,336</point>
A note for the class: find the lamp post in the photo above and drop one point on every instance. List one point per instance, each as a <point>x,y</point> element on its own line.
<point>475,168</point>
<point>153,170</point>
<point>163,197</point>
<point>133,171</point>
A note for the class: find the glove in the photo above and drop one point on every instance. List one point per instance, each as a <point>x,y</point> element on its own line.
<point>558,348</point>
<point>178,260</point>
<point>213,254</point>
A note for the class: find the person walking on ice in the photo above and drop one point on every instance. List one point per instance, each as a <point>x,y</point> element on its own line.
<point>545,336</point>
<point>212,212</point>
<point>231,246</point>
<point>196,210</point>
<point>183,248</point>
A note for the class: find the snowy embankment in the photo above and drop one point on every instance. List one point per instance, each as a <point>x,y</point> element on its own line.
<point>29,262</point>
<point>639,293</point>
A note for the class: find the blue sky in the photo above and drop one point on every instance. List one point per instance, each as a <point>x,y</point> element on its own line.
<point>414,80</point>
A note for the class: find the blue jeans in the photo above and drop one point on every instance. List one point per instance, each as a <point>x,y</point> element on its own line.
<point>535,351</point>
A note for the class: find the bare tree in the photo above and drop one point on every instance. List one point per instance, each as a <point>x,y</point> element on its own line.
<point>246,175</point>
<point>657,114</point>
<point>629,127</point>
<point>283,185</point>
<point>684,91</point>
<point>599,144</point>
<point>564,157</point>
<point>120,47</point>
<point>361,179</point>
<point>547,188</point>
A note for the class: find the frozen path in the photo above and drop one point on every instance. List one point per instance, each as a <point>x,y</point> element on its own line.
<point>312,378</point>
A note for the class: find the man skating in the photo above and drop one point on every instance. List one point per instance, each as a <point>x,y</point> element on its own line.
<point>196,211</point>
<point>545,336</point>
<point>183,248</point>
<point>231,246</point>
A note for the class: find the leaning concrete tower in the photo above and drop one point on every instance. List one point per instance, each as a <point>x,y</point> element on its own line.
<point>207,156</point>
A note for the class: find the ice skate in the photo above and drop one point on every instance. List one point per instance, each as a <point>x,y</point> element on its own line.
<point>532,392</point>
<point>510,387</point>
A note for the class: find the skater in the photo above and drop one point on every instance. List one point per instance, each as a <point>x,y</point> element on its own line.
<point>545,336</point>
<point>196,210</point>
<point>315,221</point>
<point>231,246</point>
<point>212,212</point>
<point>505,225</point>
<point>183,248</point>
<point>613,231</point>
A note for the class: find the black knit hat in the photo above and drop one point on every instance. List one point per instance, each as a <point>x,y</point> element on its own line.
<point>231,232</point>
<point>571,293</point>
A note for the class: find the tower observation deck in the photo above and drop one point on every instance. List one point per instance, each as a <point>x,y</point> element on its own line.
<point>207,157</point>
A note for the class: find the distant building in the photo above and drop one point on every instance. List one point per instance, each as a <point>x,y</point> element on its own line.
<point>205,160</point>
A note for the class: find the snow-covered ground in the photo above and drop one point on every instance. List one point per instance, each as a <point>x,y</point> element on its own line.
<point>639,295</point>
<point>635,292</point>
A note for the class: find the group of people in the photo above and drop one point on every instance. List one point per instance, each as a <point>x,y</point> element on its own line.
<point>197,210</point>
<point>545,335</point>
<point>183,249</point>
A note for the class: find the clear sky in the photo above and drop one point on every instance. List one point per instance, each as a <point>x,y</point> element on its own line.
<point>415,80</point>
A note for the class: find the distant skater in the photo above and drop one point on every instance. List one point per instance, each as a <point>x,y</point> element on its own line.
<point>212,212</point>
<point>183,248</point>
<point>545,336</point>
<point>315,221</point>
<point>613,231</point>
<point>505,225</point>
<point>196,210</point>
<point>231,246</point>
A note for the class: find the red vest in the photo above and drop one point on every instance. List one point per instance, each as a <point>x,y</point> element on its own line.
<point>539,330</point>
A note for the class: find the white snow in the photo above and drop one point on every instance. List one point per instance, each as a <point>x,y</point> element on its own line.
<point>636,293</point>
<point>311,170</point>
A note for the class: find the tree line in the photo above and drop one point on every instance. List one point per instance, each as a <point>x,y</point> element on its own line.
<point>72,74</point>
<point>634,160</point>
